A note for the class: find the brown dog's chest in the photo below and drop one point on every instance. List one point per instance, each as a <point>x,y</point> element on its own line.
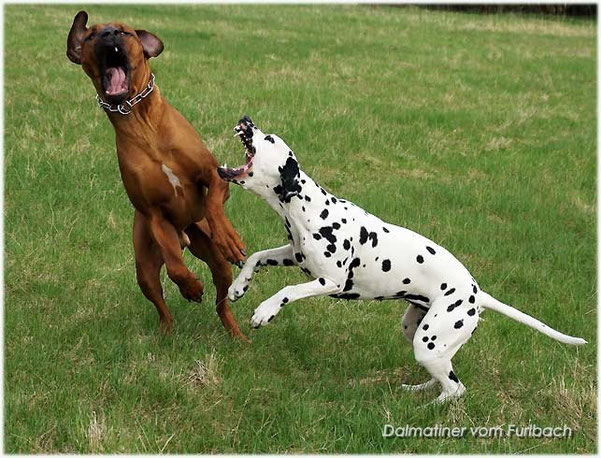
<point>163,181</point>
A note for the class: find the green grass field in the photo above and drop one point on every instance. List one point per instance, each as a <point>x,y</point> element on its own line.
<point>476,131</point>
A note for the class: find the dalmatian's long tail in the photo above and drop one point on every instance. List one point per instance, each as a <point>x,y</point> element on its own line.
<point>489,302</point>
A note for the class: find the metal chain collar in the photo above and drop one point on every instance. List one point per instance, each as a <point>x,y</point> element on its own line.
<point>125,107</point>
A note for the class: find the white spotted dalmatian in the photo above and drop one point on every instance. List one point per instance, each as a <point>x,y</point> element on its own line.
<point>352,254</point>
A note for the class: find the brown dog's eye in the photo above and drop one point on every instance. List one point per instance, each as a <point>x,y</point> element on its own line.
<point>123,32</point>
<point>90,36</point>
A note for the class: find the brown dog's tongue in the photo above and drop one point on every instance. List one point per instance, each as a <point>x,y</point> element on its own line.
<point>117,83</point>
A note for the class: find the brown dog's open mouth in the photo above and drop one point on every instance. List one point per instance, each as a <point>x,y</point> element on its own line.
<point>114,73</point>
<point>244,131</point>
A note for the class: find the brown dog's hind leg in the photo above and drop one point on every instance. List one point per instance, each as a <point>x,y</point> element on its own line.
<point>167,239</point>
<point>203,247</point>
<point>148,268</point>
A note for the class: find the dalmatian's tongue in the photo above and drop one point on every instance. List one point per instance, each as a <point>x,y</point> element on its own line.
<point>117,80</point>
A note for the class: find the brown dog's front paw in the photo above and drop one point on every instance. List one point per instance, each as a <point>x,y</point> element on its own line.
<point>231,247</point>
<point>192,290</point>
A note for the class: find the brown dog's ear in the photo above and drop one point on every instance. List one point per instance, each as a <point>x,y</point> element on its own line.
<point>151,44</point>
<point>75,38</point>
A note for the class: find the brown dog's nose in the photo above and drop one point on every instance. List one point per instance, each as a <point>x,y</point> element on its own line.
<point>108,32</point>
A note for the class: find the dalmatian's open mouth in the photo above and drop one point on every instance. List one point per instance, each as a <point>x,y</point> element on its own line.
<point>244,131</point>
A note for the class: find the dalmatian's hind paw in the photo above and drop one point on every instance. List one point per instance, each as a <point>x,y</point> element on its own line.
<point>449,395</point>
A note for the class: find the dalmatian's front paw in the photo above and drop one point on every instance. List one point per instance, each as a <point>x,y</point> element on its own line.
<point>263,314</point>
<point>238,288</point>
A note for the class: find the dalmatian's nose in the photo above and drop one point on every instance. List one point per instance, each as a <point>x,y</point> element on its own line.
<point>245,122</point>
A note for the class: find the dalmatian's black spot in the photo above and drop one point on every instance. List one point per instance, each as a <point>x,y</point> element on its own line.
<point>426,326</point>
<point>346,244</point>
<point>433,338</point>
<point>336,226</point>
<point>386,265</point>
<point>374,239</point>
<point>458,324</point>
<point>323,191</point>
<point>331,248</point>
<point>307,198</point>
<point>303,208</point>
<point>430,250</point>
<point>326,232</point>
<point>472,299</point>
<point>242,182</point>
<point>298,257</point>
<point>324,214</point>
<point>385,230</point>
<point>443,286</point>
<point>271,318</point>
<point>475,289</point>
<point>334,200</point>
<point>327,202</point>
<point>245,288</point>
<point>453,377</point>
<point>327,254</point>
<point>285,300</point>
<point>250,174</point>
<point>420,259</point>
<point>471,312</point>
<point>288,262</point>
<point>348,285</point>
<point>425,339</point>
<point>272,262</point>
<point>322,281</point>
<point>343,220</point>
<point>365,235</point>
<point>407,281</point>
<point>355,263</point>
<point>338,264</point>
<point>431,346</point>
<point>317,236</point>
<point>270,139</point>
<point>453,306</point>
<point>449,292</point>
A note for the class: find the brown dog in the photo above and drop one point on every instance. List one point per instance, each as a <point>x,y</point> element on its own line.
<point>169,174</point>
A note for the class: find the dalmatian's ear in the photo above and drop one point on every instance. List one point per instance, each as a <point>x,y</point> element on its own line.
<point>289,174</point>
